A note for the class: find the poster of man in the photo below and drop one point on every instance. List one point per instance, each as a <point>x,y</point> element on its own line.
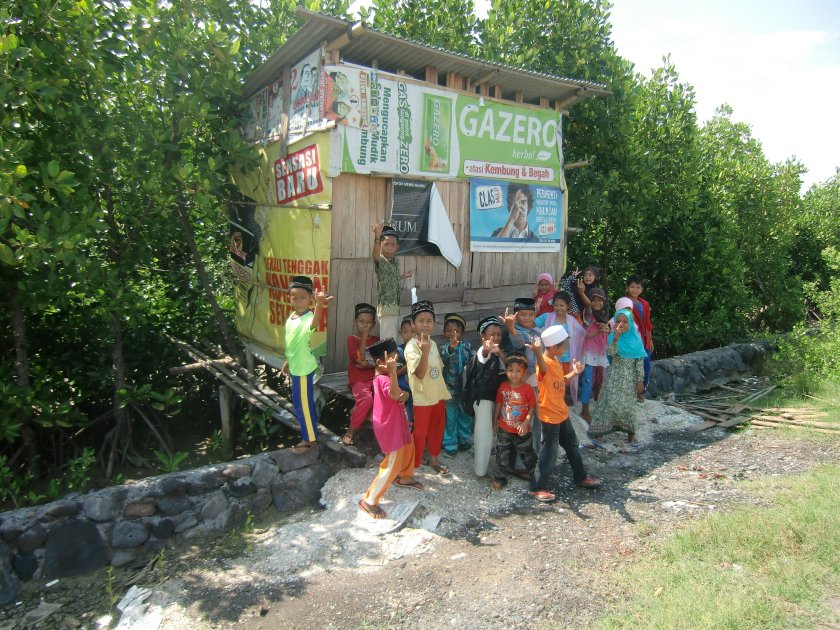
<point>507,216</point>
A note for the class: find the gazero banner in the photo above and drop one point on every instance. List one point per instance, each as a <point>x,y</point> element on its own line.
<point>390,126</point>
<point>269,244</point>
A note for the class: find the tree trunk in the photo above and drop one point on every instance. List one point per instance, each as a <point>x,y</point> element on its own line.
<point>189,235</point>
<point>24,415</point>
<point>118,365</point>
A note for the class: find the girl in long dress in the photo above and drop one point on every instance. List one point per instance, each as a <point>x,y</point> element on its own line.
<point>616,409</point>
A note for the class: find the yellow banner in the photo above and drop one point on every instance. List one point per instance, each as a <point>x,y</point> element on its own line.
<point>297,179</point>
<point>270,244</point>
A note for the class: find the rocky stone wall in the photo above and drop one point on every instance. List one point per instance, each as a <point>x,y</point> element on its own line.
<point>114,526</point>
<point>698,371</point>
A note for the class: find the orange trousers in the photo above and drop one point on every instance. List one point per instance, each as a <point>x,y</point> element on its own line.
<point>400,464</point>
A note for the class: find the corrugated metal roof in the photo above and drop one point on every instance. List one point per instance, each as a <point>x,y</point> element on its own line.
<point>366,46</point>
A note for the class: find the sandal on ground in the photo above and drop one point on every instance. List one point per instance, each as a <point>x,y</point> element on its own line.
<point>347,440</point>
<point>440,469</point>
<point>416,485</point>
<point>302,447</point>
<point>635,445</point>
<point>374,510</point>
<point>543,495</point>
<point>594,444</point>
<point>449,454</point>
<point>590,482</point>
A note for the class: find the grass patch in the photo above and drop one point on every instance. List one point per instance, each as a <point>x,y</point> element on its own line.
<point>750,568</point>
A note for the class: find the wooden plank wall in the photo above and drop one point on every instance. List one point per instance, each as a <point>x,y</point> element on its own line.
<point>484,284</point>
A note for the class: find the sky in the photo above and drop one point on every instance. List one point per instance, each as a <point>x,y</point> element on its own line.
<point>775,62</point>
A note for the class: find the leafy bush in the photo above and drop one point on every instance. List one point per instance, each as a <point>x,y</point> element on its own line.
<point>810,354</point>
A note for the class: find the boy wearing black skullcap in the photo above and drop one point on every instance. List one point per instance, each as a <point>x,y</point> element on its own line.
<point>456,354</point>
<point>301,363</point>
<point>484,373</point>
<point>518,333</point>
<point>390,426</point>
<point>360,368</point>
<point>386,244</point>
<point>425,375</point>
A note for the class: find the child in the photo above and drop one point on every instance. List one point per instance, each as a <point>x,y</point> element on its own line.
<point>300,362</point>
<point>516,407</point>
<point>586,283</point>
<point>455,354</point>
<point>427,387</point>
<point>390,425</point>
<point>386,244</point>
<point>623,382</point>
<point>554,415</point>
<point>518,333</point>
<point>559,316</point>
<point>596,324</point>
<point>360,368</point>
<point>407,333</point>
<point>484,374</point>
<point>544,293</point>
<point>641,315</point>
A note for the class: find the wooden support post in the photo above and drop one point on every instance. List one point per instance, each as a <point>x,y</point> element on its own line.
<point>484,89</point>
<point>497,92</point>
<point>431,75</point>
<point>226,411</point>
<point>544,103</point>
<point>519,98</point>
<point>251,362</point>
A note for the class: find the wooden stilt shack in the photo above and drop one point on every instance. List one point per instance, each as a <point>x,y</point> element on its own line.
<point>345,115</point>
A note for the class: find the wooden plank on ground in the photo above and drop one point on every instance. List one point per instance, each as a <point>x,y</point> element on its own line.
<point>733,422</point>
<point>774,425</point>
<point>708,424</point>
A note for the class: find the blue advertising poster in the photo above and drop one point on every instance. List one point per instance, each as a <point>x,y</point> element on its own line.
<point>508,216</point>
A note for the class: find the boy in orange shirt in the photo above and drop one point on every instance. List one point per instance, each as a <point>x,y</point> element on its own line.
<point>557,430</point>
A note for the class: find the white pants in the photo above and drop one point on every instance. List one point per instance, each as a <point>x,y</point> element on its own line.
<point>389,326</point>
<point>483,435</point>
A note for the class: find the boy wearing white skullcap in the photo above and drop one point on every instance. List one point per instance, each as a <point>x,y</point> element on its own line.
<point>557,430</point>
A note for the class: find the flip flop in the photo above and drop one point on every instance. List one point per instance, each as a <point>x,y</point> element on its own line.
<point>543,496</point>
<point>301,448</point>
<point>374,510</point>
<point>442,470</point>
<point>414,484</point>
<point>347,440</point>
<point>594,444</point>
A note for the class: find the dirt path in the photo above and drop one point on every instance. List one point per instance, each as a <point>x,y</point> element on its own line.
<point>496,559</point>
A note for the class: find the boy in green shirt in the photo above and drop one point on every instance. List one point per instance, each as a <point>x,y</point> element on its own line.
<point>300,362</point>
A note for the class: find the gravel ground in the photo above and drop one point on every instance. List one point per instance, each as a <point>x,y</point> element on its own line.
<point>496,559</point>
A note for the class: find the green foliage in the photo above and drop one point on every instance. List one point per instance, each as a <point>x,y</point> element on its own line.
<point>170,462</point>
<point>15,489</point>
<point>259,430</point>
<point>809,356</point>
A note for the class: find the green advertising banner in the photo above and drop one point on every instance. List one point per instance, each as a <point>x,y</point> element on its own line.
<point>410,129</point>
